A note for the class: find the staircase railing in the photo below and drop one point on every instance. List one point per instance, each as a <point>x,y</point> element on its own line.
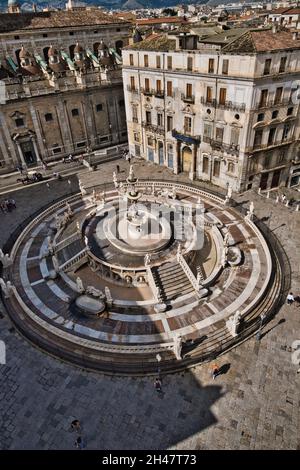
<point>152,284</point>
<point>81,256</point>
<point>67,241</point>
<point>188,272</point>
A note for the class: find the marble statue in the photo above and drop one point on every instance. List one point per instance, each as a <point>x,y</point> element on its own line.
<point>224,256</point>
<point>6,287</point>
<point>82,188</point>
<point>79,285</point>
<point>95,292</point>
<point>177,347</point>
<point>228,195</point>
<point>50,246</point>
<point>5,259</point>
<point>233,323</point>
<point>147,259</point>
<point>78,228</point>
<point>69,210</point>
<point>108,296</point>
<point>226,239</point>
<point>250,212</point>
<point>131,173</point>
<point>115,180</point>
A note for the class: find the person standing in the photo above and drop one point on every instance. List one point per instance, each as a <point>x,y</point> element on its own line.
<point>215,371</point>
<point>157,385</point>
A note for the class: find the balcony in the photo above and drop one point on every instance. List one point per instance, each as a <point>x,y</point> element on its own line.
<point>152,91</point>
<point>221,146</point>
<point>188,98</point>
<point>276,143</point>
<point>132,89</point>
<point>241,107</point>
<point>208,102</point>
<point>153,128</point>
<point>272,103</point>
<point>186,137</point>
<point>147,91</point>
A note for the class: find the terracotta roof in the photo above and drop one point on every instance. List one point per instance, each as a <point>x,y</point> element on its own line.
<point>166,19</point>
<point>154,43</point>
<point>55,19</point>
<point>262,41</point>
<point>285,11</point>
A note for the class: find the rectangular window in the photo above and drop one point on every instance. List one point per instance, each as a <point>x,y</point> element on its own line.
<point>282,64</point>
<point>147,84</point>
<point>150,155</point>
<point>278,95</point>
<point>80,144</point>
<point>263,98</point>
<point>271,136</point>
<point>48,117</point>
<point>148,117</point>
<point>134,114</point>
<point>205,165</point>
<point>159,119</point>
<point>137,150</point>
<point>189,90</point>
<point>150,141</point>
<point>169,62</point>
<point>235,136</point>
<point>169,89</point>
<point>258,138</point>
<point>158,62</point>
<point>190,63</point>
<point>267,66</point>
<point>207,132</point>
<point>158,86</point>
<point>222,96</point>
<point>132,83</point>
<point>169,123</point>
<point>187,124</point>
<point>146,61</point>
<point>219,134</point>
<point>209,94</point>
<point>99,107</point>
<point>130,59</point>
<point>136,136</point>
<point>19,122</point>
<point>216,169</point>
<point>211,65</point>
<point>75,112</point>
<point>225,66</point>
<point>56,150</point>
<point>286,131</point>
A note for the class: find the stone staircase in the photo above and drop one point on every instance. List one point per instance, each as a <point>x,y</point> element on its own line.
<point>172,281</point>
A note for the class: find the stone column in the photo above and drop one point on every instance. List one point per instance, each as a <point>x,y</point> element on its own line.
<point>36,150</point>
<point>21,155</point>
<point>192,174</point>
<point>8,139</point>
<point>36,125</point>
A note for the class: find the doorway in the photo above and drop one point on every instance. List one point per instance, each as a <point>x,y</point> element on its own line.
<point>28,153</point>
<point>186,159</point>
<point>276,179</point>
<point>161,153</point>
<point>264,181</point>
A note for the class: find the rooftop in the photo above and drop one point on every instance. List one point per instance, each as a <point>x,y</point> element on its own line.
<point>155,42</point>
<point>166,19</point>
<point>55,19</point>
<point>263,41</point>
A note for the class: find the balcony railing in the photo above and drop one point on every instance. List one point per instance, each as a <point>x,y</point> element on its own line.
<point>132,89</point>
<point>153,128</point>
<point>218,145</point>
<point>276,143</point>
<point>270,103</point>
<point>188,98</point>
<point>152,91</point>
<point>226,105</point>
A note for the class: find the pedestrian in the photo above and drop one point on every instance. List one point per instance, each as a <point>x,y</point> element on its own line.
<point>79,444</point>
<point>129,158</point>
<point>215,371</point>
<point>290,299</point>
<point>75,425</point>
<point>118,168</point>
<point>157,385</point>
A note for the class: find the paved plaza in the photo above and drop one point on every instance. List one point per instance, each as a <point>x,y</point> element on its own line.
<point>254,405</point>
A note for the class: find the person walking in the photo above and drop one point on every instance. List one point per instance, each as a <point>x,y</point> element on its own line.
<point>290,299</point>
<point>215,371</point>
<point>118,168</point>
<point>79,444</point>
<point>157,385</point>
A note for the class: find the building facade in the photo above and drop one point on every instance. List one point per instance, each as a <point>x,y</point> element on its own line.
<point>61,82</point>
<point>228,114</point>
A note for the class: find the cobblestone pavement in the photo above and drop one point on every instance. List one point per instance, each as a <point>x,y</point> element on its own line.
<point>255,405</point>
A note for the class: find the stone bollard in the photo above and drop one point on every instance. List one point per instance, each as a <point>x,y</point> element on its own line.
<point>297,208</point>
